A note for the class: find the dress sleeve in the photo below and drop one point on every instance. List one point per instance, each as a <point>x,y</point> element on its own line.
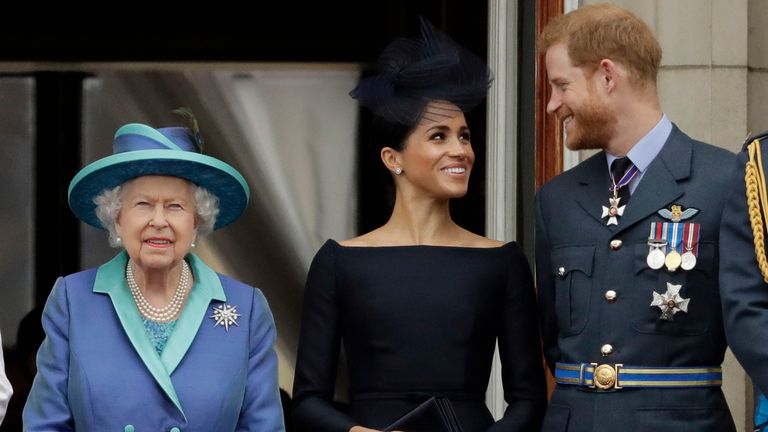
<point>5,386</point>
<point>318,352</point>
<point>262,409</point>
<point>520,350</point>
<point>47,406</point>
<point>545,285</point>
<point>743,292</point>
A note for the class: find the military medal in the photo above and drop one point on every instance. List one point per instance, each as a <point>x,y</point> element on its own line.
<point>656,243</point>
<point>225,315</point>
<point>687,261</point>
<point>656,257</point>
<point>670,302</point>
<point>673,259</point>
<point>614,209</point>
<point>690,243</point>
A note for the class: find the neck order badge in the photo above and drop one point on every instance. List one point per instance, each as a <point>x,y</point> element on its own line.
<point>627,170</point>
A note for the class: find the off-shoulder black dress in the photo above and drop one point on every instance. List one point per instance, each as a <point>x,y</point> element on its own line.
<point>417,321</point>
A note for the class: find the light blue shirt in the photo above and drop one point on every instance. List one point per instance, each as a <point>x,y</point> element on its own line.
<point>645,150</point>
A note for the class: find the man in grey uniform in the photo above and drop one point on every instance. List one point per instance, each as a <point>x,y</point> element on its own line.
<point>626,242</point>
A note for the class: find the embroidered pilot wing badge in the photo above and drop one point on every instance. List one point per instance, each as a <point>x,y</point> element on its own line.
<point>670,302</point>
<point>675,213</point>
<point>225,315</point>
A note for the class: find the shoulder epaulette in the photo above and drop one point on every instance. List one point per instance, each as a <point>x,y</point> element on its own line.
<point>762,136</point>
<point>757,199</point>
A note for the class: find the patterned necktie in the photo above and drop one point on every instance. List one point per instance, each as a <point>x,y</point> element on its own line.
<point>619,168</point>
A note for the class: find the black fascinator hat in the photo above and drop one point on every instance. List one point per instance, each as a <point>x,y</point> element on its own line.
<point>411,73</point>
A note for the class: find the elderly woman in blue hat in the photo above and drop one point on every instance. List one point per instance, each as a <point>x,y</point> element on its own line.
<point>155,340</point>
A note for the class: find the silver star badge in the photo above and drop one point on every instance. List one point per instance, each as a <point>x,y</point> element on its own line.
<point>670,302</point>
<point>613,212</point>
<point>225,315</point>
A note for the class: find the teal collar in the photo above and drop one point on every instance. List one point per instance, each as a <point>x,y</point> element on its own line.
<point>110,279</point>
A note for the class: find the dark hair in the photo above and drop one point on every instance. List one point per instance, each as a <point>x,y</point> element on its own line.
<point>388,134</point>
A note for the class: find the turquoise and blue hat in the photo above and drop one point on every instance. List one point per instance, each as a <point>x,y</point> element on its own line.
<point>141,150</point>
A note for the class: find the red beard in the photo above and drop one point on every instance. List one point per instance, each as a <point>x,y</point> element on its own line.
<point>591,127</point>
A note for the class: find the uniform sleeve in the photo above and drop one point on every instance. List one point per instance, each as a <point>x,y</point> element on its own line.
<point>5,386</point>
<point>318,352</point>
<point>743,292</point>
<point>262,409</point>
<point>520,351</point>
<point>47,407</point>
<point>545,286</point>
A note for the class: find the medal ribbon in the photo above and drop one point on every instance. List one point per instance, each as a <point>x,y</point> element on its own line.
<point>675,236</point>
<point>691,238</point>
<point>657,232</point>
<point>655,241</point>
<point>656,236</point>
<point>664,232</point>
<point>625,179</point>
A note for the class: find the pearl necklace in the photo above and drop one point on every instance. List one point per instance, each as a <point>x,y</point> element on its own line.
<point>163,314</point>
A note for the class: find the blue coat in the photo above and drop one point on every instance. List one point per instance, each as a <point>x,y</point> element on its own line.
<point>576,267</point>
<point>98,370</point>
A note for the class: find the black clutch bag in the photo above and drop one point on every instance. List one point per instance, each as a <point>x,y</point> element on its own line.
<point>433,415</point>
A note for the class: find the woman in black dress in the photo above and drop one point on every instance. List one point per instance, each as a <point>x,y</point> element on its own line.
<point>420,302</point>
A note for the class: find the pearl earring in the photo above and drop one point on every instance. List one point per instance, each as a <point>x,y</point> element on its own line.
<point>118,240</point>
<point>193,245</point>
<point>398,170</point>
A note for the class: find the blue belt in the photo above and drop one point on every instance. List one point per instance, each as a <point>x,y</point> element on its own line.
<point>618,376</point>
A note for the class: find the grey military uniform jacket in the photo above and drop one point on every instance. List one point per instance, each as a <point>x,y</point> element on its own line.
<point>576,265</point>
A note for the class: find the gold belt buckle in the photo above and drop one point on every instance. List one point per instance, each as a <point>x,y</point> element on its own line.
<point>605,376</point>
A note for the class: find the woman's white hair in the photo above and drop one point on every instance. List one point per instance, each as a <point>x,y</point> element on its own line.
<point>110,201</point>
